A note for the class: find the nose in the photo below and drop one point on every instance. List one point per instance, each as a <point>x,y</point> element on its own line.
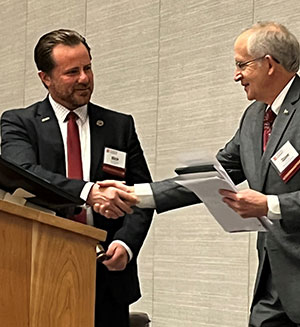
<point>83,77</point>
<point>237,75</point>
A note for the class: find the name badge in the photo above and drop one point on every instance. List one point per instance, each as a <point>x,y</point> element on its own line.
<point>286,161</point>
<point>114,162</point>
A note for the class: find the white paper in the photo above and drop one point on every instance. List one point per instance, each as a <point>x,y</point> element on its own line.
<point>206,186</point>
<point>19,196</point>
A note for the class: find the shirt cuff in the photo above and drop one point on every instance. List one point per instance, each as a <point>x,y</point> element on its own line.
<point>86,190</point>
<point>145,195</point>
<point>130,254</point>
<point>273,207</point>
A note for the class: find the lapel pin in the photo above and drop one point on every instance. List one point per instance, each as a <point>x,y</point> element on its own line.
<point>99,123</point>
<point>45,119</point>
<point>285,111</point>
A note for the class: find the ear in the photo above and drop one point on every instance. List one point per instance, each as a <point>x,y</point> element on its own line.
<point>45,78</point>
<point>272,64</point>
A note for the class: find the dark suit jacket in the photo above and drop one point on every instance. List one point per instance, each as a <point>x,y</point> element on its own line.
<point>245,155</point>
<point>37,146</point>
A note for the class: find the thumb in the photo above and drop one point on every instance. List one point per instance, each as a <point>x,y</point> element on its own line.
<point>111,249</point>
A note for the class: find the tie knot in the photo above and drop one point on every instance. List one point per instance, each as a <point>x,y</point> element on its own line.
<point>72,116</point>
<point>269,116</point>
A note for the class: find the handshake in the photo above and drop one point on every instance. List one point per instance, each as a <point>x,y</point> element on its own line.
<point>112,199</point>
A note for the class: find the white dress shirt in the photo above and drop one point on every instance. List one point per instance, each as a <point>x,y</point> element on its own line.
<point>85,140</point>
<point>85,143</point>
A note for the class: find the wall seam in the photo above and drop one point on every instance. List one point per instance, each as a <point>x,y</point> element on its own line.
<point>156,144</point>
<point>85,17</point>
<point>249,299</point>
<point>249,275</point>
<point>25,51</point>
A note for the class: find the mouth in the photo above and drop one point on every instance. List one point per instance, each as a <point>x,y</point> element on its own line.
<point>82,87</point>
<point>83,90</point>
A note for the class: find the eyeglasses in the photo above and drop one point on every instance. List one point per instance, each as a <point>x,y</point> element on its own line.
<point>243,64</point>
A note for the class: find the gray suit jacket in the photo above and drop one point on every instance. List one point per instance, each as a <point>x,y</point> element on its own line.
<point>244,154</point>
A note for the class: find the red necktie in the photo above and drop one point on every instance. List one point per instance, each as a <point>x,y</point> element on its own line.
<point>74,157</point>
<point>268,122</point>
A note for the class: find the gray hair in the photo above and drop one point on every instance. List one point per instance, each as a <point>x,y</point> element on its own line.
<point>270,38</point>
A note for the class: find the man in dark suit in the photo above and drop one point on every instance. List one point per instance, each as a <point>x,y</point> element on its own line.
<point>267,60</point>
<point>37,137</point>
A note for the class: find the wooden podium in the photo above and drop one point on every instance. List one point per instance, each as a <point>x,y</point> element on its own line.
<point>47,269</point>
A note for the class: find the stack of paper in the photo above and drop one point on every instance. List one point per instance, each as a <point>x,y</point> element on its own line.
<point>206,186</point>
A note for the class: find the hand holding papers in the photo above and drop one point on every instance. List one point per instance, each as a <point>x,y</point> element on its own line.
<point>206,186</point>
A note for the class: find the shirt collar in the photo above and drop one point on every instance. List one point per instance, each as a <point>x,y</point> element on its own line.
<point>280,98</point>
<point>61,112</point>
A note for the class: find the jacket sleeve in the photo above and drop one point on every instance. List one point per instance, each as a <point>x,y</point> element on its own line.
<point>19,144</point>
<point>135,226</point>
<point>169,195</point>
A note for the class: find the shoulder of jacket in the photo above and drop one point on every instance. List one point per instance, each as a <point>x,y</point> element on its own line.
<point>31,108</point>
<point>96,109</point>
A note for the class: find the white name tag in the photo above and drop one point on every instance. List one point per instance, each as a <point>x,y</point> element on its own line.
<point>114,158</point>
<point>284,156</point>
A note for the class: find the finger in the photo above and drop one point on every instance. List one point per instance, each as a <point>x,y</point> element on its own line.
<point>111,251</point>
<point>229,195</point>
<point>112,215</point>
<point>129,203</point>
<point>124,207</point>
<point>128,197</point>
<point>116,210</point>
<point>108,264</point>
<point>229,202</point>
<point>103,208</point>
<point>225,191</point>
<point>97,207</point>
<point>117,184</point>
<point>113,265</point>
<point>109,182</point>
<point>113,212</point>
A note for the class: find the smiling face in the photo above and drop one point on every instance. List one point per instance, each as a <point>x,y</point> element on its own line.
<point>71,81</point>
<point>253,75</point>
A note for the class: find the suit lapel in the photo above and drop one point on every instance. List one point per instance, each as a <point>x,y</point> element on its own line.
<point>258,132</point>
<point>97,130</point>
<point>50,135</point>
<point>280,126</point>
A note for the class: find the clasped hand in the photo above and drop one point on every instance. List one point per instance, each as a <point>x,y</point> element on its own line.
<point>112,199</point>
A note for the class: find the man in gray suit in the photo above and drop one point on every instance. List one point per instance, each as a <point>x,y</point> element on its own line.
<point>267,60</point>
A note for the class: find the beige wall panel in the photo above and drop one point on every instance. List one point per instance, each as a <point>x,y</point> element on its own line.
<point>146,274</point>
<point>45,16</point>
<point>124,36</point>
<point>12,63</point>
<point>199,104</point>
<point>286,13</point>
<point>253,264</point>
<point>201,273</point>
<point>124,40</point>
